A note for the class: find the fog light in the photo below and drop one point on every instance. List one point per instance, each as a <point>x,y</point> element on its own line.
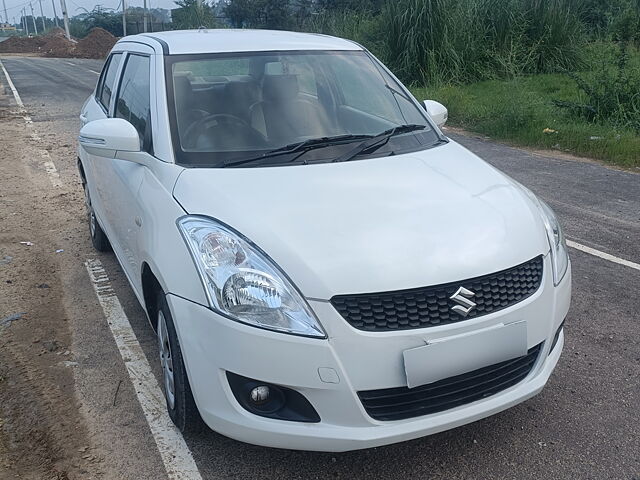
<point>260,395</point>
<point>271,401</point>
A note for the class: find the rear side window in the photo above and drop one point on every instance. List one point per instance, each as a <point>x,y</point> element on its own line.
<point>107,80</point>
<point>133,100</point>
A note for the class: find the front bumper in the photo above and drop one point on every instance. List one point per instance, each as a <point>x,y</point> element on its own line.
<point>213,345</point>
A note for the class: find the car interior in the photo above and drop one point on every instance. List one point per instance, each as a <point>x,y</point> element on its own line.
<point>270,106</point>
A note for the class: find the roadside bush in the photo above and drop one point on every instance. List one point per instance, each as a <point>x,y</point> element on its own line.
<point>612,95</point>
<point>626,26</point>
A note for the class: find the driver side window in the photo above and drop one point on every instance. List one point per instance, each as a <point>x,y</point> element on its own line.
<point>108,80</point>
<point>133,100</point>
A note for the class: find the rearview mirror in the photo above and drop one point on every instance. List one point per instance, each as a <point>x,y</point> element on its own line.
<point>436,111</point>
<point>106,136</point>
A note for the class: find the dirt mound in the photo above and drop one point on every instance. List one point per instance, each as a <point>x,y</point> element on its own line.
<point>58,46</point>
<point>22,45</point>
<point>95,45</point>
<point>54,44</point>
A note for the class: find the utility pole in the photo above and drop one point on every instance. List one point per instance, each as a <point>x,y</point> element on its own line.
<point>65,16</point>
<point>124,18</point>
<point>145,14</point>
<point>55,15</point>
<point>24,18</point>
<point>44,27</point>
<point>33,19</point>
<point>6,18</point>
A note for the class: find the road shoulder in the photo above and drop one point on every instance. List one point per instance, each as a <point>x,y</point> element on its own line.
<point>42,434</point>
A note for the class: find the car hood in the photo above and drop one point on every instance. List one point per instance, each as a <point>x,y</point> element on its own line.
<point>424,218</point>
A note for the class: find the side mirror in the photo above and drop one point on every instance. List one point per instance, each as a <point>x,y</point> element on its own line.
<point>106,136</point>
<point>437,111</point>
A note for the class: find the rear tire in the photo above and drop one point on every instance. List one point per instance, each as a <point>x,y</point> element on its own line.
<point>177,391</point>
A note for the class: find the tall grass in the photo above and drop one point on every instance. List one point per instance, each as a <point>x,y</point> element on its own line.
<point>427,41</point>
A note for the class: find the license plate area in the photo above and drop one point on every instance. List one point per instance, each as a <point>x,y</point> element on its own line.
<point>453,356</point>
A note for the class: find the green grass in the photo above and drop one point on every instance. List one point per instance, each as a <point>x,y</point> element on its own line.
<point>518,111</point>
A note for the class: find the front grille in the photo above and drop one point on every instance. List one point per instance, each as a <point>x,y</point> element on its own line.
<point>403,402</point>
<point>430,306</point>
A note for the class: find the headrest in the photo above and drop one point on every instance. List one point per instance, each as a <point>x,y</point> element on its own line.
<point>182,86</point>
<point>241,90</point>
<point>279,87</point>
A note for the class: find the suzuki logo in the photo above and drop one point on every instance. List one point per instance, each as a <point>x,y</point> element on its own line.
<point>463,298</point>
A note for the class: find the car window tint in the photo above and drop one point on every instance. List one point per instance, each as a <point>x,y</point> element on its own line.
<point>133,102</point>
<point>107,80</point>
<point>220,68</point>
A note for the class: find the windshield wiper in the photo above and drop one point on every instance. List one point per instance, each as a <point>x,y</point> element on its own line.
<point>378,141</point>
<point>301,147</point>
<point>398,92</point>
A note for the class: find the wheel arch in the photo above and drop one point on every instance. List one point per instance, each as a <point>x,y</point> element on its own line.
<point>150,287</point>
<point>83,175</point>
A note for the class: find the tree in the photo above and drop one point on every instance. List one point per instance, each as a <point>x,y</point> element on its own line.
<point>240,12</point>
<point>98,17</point>
<point>275,14</point>
<point>193,14</point>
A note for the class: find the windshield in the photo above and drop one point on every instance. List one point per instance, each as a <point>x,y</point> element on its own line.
<point>227,108</point>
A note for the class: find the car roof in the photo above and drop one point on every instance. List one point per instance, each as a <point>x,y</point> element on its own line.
<point>239,40</point>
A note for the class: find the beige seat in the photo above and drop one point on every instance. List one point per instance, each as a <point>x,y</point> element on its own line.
<point>284,115</point>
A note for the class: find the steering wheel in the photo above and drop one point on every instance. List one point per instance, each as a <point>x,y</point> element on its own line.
<point>216,120</point>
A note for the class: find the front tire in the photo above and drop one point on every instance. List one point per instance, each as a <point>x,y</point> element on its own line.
<point>98,237</point>
<point>177,391</point>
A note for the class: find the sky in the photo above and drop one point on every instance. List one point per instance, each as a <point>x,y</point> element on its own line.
<point>74,7</point>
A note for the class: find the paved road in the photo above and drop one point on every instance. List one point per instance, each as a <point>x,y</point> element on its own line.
<point>583,425</point>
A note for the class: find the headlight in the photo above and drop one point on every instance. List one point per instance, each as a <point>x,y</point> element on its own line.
<point>559,252</point>
<point>242,283</point>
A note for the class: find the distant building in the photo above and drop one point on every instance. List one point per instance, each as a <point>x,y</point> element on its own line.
<point>7,27</point>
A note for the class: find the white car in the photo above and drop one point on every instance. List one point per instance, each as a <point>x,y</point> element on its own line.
<point>324,268</point>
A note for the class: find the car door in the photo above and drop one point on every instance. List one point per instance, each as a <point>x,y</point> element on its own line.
<point>97,107</point>
<point>119,180</point>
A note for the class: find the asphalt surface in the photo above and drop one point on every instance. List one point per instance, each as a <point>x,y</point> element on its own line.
<point>584,425</point>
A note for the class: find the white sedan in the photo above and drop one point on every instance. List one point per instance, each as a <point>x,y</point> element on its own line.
<point>324,268</point>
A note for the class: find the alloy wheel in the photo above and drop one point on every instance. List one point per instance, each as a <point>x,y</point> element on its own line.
<point>166,360</point>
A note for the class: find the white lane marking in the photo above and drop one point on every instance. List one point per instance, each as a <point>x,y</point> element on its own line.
<point>93,71</point>
<point>69,63</point>
<point>16,95</point>
<point>50,168</point>
<point>603,255</point>
<point>176,456</point>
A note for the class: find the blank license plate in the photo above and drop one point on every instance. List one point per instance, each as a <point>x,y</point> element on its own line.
<point>461,354</point>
